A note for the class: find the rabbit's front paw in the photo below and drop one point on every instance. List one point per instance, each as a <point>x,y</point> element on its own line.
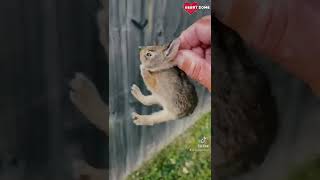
<point>140,120</point>
<point>136,92</point>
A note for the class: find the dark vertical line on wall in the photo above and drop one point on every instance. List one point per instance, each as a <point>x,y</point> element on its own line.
<point>35,139</point>
<point>142,40</point>
<point>105,6</point>
<point>125,84</point>
<point>21,122</point>
<point>143,16</point>
<point>53,74</point>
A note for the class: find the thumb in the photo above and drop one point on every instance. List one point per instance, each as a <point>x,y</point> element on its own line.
<point>195,67</point>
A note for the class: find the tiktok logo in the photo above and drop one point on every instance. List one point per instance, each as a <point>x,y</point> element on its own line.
<point>203,140</point>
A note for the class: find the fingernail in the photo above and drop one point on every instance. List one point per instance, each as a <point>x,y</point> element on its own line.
<point>222,8</point>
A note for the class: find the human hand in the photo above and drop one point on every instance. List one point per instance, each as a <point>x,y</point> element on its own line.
<point>194,56</point>
<point>285,30</point>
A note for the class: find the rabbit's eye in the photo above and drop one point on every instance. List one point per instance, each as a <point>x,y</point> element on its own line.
<point>149,54</point>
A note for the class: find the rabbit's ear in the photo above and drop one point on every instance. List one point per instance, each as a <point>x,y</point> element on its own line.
<point>171,49</point>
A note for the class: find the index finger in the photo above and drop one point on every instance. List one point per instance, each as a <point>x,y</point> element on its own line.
<point>197,34</point>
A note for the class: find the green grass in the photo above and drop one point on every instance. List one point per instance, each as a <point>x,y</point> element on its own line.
<point>182,159</point>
